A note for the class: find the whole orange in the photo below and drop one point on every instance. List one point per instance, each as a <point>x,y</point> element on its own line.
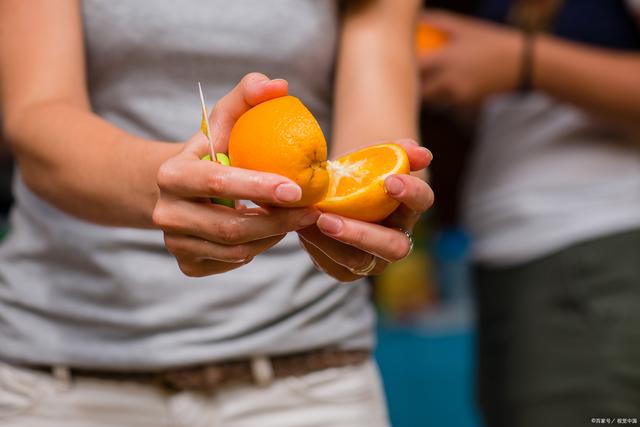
<point>281,136</point>
<point>356,189</point>
<point>429,39</point>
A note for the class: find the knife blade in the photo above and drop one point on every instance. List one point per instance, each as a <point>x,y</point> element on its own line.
<point>204,125</point>
<point>213,156</point>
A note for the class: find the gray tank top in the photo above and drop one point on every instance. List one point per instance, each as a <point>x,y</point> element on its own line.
<point>84,295</point>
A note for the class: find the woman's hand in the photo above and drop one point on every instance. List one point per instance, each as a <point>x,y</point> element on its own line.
<point>348,249</point>
<point>206,238</point>
<point>479,60</point>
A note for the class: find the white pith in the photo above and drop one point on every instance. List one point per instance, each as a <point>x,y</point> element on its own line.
<point>339,169</point>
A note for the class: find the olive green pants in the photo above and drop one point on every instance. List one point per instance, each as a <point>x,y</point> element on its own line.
<point>559,338</point>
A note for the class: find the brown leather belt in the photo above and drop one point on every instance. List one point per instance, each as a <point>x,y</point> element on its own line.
<point>214,376</point>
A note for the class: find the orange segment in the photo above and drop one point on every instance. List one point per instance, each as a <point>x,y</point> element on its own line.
<point>356,185</point>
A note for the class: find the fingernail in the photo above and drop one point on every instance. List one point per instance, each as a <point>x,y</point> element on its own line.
<point>330,224</point>
<point>274,82</point>
<point>427,152</point>
<point>310,218</point>
<point>394,185</point>
<point>288,193</point>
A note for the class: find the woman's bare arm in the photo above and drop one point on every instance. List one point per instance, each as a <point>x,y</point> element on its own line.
<point>484,59</point>
<point>376,95</point>
<point>66,154</point>
<point>601,81</point>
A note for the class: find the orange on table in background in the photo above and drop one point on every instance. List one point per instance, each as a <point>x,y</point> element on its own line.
<point>357,186</point>
<point>429,39</point>
<point>281,136</point>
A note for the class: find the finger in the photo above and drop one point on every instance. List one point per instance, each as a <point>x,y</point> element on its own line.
<point>341,253</point>
<point>403,217</point>
<point>438,92</point>
<point>432,85</point>
<point>416,197</point>
<point>419,157</point>
<point>384,242</point>
<point>434,77</point>
<point>411,191</point>
<point>195,148</point>
<point>220,224</point>
<point>204,268</point>
<point>432,64</point>
<point>326,264</point>
<point>434,72</point>
<point>200,179</point>
<point>253,89</point>
<point>195,249</point>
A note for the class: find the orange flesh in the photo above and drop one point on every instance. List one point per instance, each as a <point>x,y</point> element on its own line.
<point>358,170</point>
<point>356,185</point>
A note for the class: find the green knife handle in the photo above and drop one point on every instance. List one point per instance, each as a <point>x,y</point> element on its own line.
<point>223,160</point>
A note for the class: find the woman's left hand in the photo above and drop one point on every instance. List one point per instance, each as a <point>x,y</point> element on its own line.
<point>480,59</point>
<point>349,249</point>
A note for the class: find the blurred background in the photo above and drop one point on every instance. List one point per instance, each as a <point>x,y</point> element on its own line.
<point>427,323</point>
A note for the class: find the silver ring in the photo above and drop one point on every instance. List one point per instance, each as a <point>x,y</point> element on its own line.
<point>411,242</point>
<point>366,270</point>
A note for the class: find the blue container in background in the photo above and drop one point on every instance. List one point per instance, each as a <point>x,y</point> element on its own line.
<point>451,254</point>
<point>428,379</point>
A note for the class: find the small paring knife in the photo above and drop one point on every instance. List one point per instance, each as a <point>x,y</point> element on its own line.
<point>212,156</point>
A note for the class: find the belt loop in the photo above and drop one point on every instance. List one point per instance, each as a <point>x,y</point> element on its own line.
<point>262,370</point>
<point>62,375</point>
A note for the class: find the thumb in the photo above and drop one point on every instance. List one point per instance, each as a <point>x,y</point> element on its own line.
<point>253,89</point>
<point>196,147</point>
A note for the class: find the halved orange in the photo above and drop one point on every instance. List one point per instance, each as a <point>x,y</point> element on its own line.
<point>356,182</point>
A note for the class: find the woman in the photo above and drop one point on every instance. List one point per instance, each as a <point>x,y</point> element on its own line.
<point>553,201</point>
<point>98,324</point>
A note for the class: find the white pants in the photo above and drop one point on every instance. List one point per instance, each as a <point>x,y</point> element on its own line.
<point>338,397</point>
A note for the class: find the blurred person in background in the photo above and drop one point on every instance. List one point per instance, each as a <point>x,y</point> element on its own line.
<point>552,200</point>
<point>98,324</point>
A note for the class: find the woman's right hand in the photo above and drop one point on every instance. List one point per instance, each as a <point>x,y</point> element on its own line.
<point>209,239</point>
